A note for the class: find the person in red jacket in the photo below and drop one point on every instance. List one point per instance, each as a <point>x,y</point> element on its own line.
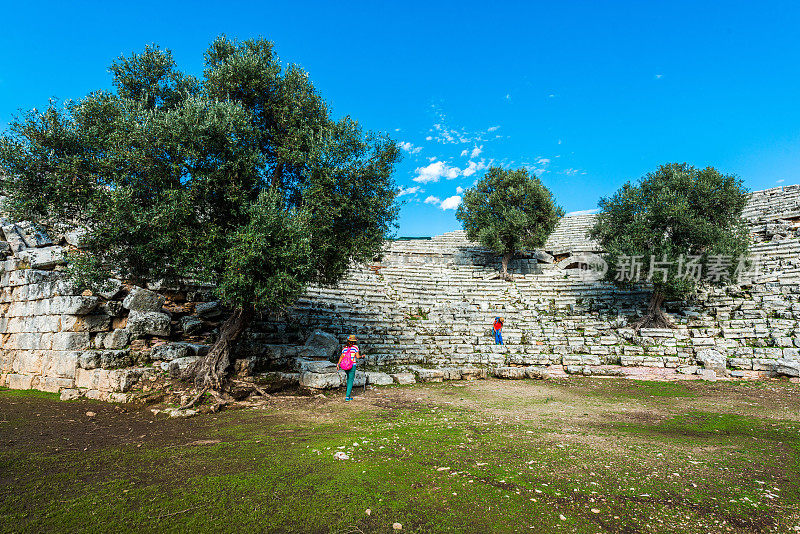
<point>498,326</point>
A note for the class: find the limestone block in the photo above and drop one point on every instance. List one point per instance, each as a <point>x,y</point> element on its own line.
<point>740,363</point>
<point>142,323</point>
<point>76,238</point>
<point>69,341</point>
<point>707,374</point>
<point>89,359</point>
<point>473,373</point>
<point>115,359</point>
<point>191,325</point>
<point>712,359</point>
<point>69,394</point>
<point>537,373</point>
<point>631,360</point>
<point>320,380</point>
<point>787,367</point>
<point>86,323</point>
<point>32,235</point>
<point>117,339</point>
<point>73,305</point>
<point>322,344</point>
<point>178,367</point>
<point>763,364</point>
<point>404,379</point>
<point>791,354</point>
<point>53,384</point>
<point>17,381</point>
<point>105,380</point>
<point>143,300</point>
<point>43,258</point>
<point>62,364</point>
<point>28,362</point>
<point>208,309</point>
<point>378,379</point>
<point>15,241</point>
<point>512,373</point>
<point>428,375</point>
<point>451,373</point>
<point>170,351</point>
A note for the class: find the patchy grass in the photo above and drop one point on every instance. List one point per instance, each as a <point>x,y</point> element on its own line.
<point>488,456</point>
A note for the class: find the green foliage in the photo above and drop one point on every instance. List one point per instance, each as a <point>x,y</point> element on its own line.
<point>231,179</point>
<point>677,211</point>
<point>509,211</point>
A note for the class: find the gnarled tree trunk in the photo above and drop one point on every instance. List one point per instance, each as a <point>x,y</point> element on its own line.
<point>655,316</point>
<point>506,258</point>
<point>211,372</point>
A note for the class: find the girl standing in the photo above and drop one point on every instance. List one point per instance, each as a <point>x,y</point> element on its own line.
<point>347,363</point>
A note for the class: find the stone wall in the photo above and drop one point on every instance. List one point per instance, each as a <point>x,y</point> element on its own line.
<point>426,305</point>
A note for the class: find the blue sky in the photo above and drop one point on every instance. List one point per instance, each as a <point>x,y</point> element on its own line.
<point>586,94</point>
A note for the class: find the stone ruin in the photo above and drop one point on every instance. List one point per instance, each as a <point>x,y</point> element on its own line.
<point>422,312</point>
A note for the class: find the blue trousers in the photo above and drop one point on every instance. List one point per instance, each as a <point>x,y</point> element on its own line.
<point>498,337</point>
<point>351,375</point>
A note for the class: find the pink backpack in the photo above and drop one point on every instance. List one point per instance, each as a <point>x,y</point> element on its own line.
<point>347,360</point>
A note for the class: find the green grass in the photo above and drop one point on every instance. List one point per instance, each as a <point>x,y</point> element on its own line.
<point>274,470</point>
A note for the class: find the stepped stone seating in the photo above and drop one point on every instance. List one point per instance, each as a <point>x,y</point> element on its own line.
<point>423,312</point>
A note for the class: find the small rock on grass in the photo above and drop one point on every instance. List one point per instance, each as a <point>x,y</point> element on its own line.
<point>397,526</point>
<point>368,511</point>
<point>90,414</point>
<point>341,456</point>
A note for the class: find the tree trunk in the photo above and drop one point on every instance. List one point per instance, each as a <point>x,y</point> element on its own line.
<point>506,259</point>
<point>655,316</point>
<point>211,372</point>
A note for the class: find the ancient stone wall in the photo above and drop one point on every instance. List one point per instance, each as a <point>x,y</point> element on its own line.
<point>426,308</point>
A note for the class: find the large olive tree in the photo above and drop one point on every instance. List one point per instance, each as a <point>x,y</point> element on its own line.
<point>677,228</point>
<point>240,178</point>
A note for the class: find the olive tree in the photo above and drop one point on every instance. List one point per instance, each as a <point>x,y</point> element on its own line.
<point>241,178</point>
<point>509,211</point>
<point>676,228</point>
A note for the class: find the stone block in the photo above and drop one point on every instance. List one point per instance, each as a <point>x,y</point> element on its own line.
<point>62,364</point>
<point>171,351</point>
<point>86,323</point>
<point>17,381</point>
<point>787,367</point>
<point>143,300</point>
<point>73,305</point>
<point>511,373</point>
<point>115,359</point>
<point>428,375</point>
<point>70,341</point>
<point>325,345</point>
<point>404,379</point>
<point>378,379</point>
<point>43,258</point>
<point>178,367</point>
<point>117,339</point>
<point>741,363</point>
<point>320,380</point>
<point>143,323</point>
<point>53,384</point>
<point>191,325</point>
<point>89,359</point>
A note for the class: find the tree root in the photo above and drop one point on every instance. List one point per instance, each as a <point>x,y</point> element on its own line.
<point>194,401</point>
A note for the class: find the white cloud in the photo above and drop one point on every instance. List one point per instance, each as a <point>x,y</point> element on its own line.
<point>493,128</point>
<point>459,190</point>
<point>473,167</point>
<point>433,200</point>
<point>780,181</point>
<point>408,147</point>
<point>464,152</point>
<point>583,212</point>
<point>551,95</point>
<point>572,172</point>
<point>432,158</point>
<point>476,151</point>
<point>408,191</point>
<point>508,96</point>
<point>436,171</point>
<point>542,161</point>
<point>429,138</point>
<point>659,76</point>
<point>451,203</point>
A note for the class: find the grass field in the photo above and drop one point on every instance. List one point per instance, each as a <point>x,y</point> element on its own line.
<point>579,455</point>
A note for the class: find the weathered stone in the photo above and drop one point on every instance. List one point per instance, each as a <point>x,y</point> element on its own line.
<point>70,341</point>
<point>178,367</point>
<point>143,300</point>
<point>315,366</point>
<point>512,373</point>
<point>71,394</point>
<point>320,380</point>
<point>43,258</point>
<point>688,370</point>
<point>73,305</point>
<point>142,323</point>
<point>707,374</point>
<point>323,344</point>
<point>787,367</point>
<point>117,339</point>
<point>170,351</point>
<point>33,236</point>
<point>89,359</point>
<point>76,238</point>
<point>712,359</point>
<point>111,289</point>
<point>191,325</point>
<point>208,309</point>
<point>378,379</point>
<point>115,359</point>
<point>404,378</point>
